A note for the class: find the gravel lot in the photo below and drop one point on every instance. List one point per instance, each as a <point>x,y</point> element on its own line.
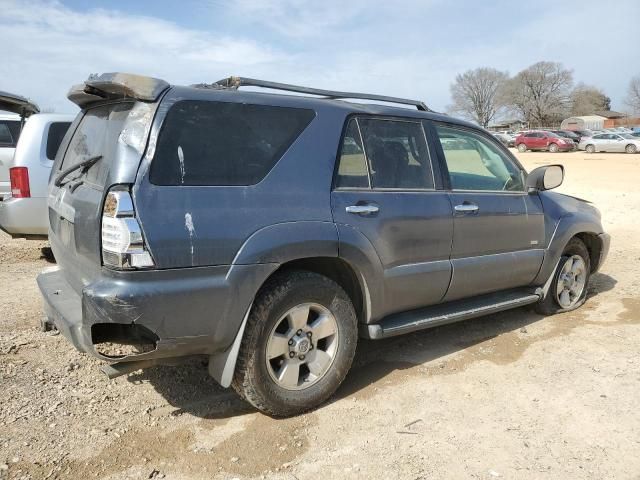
<point>513,395</point>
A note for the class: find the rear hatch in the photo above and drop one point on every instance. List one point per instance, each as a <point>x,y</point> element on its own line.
<point>108,137</point>
<point>75,207</point>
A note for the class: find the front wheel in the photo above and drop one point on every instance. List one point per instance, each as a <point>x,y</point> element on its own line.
<point>298,345</point>
<point>553,148</point>
<point>522,148</point>
<point>568,289</point>
<point>590,149</point>
<point>631,148</point>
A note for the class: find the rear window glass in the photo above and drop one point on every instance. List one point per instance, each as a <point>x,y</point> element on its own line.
<point>97,133</point>
<point>219,143</point>
<point>9,133</point>
<point>54,137</point>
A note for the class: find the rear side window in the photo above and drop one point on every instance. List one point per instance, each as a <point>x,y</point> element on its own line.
<point>54,137</point>
<point>219,143</point>
<point>397,153</point>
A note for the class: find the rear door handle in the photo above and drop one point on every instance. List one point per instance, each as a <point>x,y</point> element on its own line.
<point>362,209</point>
<point>466,208</point>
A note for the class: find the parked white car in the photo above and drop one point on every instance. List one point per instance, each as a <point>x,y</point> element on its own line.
<point>610,142</point>
<point>24,212</point>
<point>15,110</point>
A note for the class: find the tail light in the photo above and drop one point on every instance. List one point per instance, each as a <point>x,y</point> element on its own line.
<point>123,245</point>
<point>19,177</point>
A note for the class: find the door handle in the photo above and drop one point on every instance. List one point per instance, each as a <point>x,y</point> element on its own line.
<point>466,208</point>
<point>362,209</point>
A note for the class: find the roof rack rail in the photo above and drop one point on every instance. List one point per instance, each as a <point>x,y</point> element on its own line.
<point>237,82</point>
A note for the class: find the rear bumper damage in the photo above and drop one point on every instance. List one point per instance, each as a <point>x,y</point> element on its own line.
<point>155,317</point>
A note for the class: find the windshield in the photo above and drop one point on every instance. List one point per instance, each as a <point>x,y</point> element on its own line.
<point>627,135</point>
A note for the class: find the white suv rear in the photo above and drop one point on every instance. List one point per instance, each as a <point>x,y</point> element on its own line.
<point>23,213</point>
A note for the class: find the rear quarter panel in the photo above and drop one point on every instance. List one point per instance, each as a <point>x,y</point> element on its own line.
<point>208,225</point>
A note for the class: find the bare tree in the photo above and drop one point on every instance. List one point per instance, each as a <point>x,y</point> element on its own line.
<point>541,93</point>
<point>477,95</point>
<point>633,94</point>
<point>586,100</point>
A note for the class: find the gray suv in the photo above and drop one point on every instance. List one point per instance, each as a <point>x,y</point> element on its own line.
<point>269,232</point>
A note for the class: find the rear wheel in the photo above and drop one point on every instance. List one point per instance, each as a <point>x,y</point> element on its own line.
<point>522,148</point>
<point>631,148</point>
<point>590,149</point>
<point>553,148</point>
<point>568,289</point>
<point>298,345</point>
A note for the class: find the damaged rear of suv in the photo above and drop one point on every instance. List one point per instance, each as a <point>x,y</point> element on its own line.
<point>268,232</point>
<point>153,218</point>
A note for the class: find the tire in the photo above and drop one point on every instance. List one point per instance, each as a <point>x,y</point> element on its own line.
<point>552,302</point>
<point>553,148</point>
<point>590,149</point>
<point>263,379</point>
<point>522,148</point>
<point>631,148</point>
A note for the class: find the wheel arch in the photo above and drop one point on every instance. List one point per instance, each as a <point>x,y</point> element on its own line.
<point>593,242</point>
<point>310,246</point>
<point>338,270</point>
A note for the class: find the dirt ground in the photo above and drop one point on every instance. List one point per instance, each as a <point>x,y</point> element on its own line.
<point>513,395</point>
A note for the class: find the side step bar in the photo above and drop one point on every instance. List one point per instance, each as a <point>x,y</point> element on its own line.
<point>406,322</point>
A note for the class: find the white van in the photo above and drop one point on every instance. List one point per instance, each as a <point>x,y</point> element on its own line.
<point>23,212</point>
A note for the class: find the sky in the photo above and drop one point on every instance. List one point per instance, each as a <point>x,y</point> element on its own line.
<point>409,49</point>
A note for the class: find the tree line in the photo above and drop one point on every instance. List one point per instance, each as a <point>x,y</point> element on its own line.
<point>541,95</point>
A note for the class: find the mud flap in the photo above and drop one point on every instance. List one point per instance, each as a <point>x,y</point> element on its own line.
<point>223,365</point>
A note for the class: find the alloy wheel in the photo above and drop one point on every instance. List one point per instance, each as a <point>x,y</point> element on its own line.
<point>571,281</point>
<point>302,346</point>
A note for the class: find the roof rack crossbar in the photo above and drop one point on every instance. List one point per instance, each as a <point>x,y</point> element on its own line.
<point>237,82</point>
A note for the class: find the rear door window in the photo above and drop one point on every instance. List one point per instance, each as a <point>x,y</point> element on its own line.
<point>397,153</point>
<point>54,137</point>
<point>352,167</point>
<point>220,143</point>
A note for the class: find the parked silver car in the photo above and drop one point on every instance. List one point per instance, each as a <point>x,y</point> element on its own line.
<point>16,109</point>
<point>23,213</point>
<point>610,142</point>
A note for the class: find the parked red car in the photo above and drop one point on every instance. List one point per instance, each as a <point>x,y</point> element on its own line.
<point>541,140</point>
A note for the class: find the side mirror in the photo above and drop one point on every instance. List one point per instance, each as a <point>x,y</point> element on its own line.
<point>545,178</point>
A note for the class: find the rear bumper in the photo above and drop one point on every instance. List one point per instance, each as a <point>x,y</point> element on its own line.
<point>191,311</point>
<point>24,217</point>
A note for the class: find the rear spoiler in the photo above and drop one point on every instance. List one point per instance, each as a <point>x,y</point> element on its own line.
<point>113,86</point>
<point>17,104</point>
